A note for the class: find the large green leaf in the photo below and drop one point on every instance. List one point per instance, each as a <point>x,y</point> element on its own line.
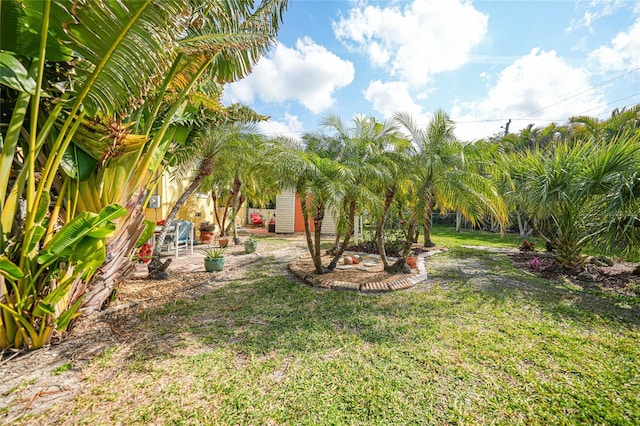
<point>149,229</point>
<point>62,322</point>
<point>13,74</point>
<point>77,164</point>
<point>84,225</point>
<point>9,270</point>
<point>137,40</point>
<point>20,22</point>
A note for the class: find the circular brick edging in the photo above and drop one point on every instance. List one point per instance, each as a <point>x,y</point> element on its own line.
<point>403,281</point>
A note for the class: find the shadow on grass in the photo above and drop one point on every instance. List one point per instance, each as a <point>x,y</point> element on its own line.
<point>262,313</point>
<point>497,279</point>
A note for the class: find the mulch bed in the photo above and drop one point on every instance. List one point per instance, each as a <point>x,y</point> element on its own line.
<point>617,279</point>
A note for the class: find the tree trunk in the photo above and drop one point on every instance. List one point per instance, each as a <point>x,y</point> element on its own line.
<point>458,221</point>
<point>157,269</point>
<point>400,266</point>
<point>336,242</point>
<point>388,200</point>
<point>214,197</point>
<point>427,224</point>
<point>223,228</point>
<point>235,207</point>
<point>318,218</point>
<point>120,249</point>
<point>307,233</point>
<point>347,237</point>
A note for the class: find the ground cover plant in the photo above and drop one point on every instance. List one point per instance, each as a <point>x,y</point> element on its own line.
<point>480,342</point>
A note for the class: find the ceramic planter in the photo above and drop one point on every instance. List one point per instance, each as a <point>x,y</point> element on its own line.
<point>213,265</point>
<point>412,261</point>
<point>250,246</point>
<point>206,236</point>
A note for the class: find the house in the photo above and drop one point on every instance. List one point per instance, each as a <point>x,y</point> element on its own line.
<point>289,217</point>
<point>198,208</point>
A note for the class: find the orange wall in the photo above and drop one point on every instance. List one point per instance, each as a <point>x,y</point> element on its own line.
<point>298,221</point>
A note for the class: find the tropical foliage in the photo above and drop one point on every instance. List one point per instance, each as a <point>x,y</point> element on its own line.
<point>89,119</point>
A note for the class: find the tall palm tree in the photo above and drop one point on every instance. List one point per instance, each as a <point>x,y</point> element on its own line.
<point>440,177</point>
<point>208,146</point>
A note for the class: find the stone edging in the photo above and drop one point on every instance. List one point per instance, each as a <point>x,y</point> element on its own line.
<point>403,282</point>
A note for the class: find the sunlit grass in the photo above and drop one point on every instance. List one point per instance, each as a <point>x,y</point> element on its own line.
<point>496,347</point>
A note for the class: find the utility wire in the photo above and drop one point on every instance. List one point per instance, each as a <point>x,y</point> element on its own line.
<point>584,91</point>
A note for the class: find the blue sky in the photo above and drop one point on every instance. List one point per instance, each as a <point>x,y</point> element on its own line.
<point>484,62</point>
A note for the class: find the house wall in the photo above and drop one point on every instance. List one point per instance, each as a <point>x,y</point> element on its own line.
<point>285,212</point>
<point>289,208</point>
<point>198,208</point>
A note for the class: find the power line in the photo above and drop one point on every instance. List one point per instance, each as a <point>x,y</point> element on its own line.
<point>584,91</point>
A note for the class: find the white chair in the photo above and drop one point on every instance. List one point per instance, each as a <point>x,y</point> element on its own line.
<point>180,236</point>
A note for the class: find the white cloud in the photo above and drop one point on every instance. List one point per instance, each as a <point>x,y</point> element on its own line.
<point>624,52</point>
<point>389,98</point>
<point>535,89</point>
<point>290,126</point>
<point>416,41</point>
<point>596,10</point>
<point>308,74</point>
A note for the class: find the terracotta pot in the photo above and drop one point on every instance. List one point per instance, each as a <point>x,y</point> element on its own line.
<point>223,242</point>
<point>347,260</point>
<point>356,259</point>
<point>412,261</point>
<point>206,236</point>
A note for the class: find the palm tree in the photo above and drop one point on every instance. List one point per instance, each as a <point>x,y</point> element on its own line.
<point>101,142</point>
<point>583,194</point>
<point>208,146</point>
<point>441,178</point>
<point>357,148</point>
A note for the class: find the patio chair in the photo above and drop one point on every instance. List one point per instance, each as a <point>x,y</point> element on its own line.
<point>181,236</point>
<point>256,219</point>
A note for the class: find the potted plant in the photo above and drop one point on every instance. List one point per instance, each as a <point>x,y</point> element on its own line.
<point>223,241</point>
<point>206,231</point>
<point>213,259</point>
<point>251,244</point>
<point>412,260</point>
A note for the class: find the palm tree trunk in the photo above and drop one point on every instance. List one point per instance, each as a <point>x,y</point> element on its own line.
<point>458,221</point>
<point>157,269</point>
<point>235,206</point>
<point>318,218</point>
<point>118,264</point>
<point>223,228</point>
<point>400,266</point>
<point>307,232</point>
<point>216,215</point>
<point>388,200</point>
<point>347,237</point>
<point>336,242</point>
<point>427,219</point>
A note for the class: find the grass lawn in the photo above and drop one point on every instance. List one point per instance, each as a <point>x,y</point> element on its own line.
<point>479,343</point>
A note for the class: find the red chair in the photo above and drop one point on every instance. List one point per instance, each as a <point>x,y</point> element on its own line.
<point>256,219</point>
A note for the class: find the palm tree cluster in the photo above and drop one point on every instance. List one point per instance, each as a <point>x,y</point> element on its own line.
<point>378,168</point>
<point>577,185</point>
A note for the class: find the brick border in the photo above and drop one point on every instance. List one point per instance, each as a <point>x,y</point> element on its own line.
<point>403,281</point>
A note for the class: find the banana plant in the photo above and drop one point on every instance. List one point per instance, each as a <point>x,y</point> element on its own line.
<point>44,299</point>
<point>91,116</point>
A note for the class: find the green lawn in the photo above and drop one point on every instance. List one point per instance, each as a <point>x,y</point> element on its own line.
<point>481,343</point>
